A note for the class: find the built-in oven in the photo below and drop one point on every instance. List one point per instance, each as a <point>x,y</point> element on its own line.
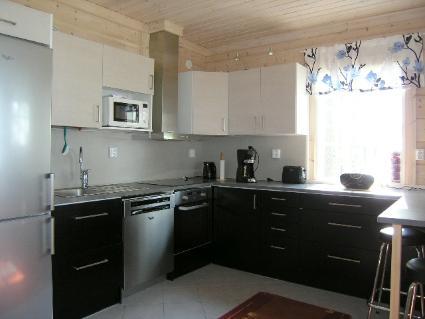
<point>192,230</point>
<point>126,113</point>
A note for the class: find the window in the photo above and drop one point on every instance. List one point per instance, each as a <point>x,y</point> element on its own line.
<point>358,132</point>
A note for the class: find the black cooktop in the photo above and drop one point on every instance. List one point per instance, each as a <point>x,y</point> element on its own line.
<point>177,181</point>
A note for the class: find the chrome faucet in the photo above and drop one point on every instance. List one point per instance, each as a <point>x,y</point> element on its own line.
<point>84,173</point>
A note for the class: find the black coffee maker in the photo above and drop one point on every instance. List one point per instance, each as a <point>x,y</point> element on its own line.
<point>209,171</point>
<point>246,165</point>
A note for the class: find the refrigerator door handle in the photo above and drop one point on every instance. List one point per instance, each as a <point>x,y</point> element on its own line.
<point>51,177</point>
<point>52,236</point>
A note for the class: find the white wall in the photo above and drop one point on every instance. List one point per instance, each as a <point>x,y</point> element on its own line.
<point>140,159</point>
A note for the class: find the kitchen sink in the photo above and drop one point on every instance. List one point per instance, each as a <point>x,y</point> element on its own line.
<point>70,192</point>
<point>99,190</point>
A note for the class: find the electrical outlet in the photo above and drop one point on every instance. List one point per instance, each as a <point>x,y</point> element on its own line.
<point>192,153</point>
<point>420,154</point>
<point>275,153</point>
<point>113,152</point>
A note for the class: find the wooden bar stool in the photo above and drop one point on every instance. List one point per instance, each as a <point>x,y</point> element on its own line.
<point>410,238</point>
<point>415,273</point>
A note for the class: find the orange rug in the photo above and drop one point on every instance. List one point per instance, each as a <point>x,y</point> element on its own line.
<point>268,306</point>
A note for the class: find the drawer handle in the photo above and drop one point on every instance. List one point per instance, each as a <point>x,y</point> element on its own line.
<point>279,214</point>
<point>345,225</point>
<point>277,198</point>
<point>8,21</point>
<point>277,247</point>
<point>278,229</point>
<point>91,216</point>
<point>345,205</point>
<point>188,208</point>
<point>356,261</point>
<point>104,261</point>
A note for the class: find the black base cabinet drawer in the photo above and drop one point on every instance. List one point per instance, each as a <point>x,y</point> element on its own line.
<point>347,270</point>
<point>86,283</point>
<point>280,260</point>
<point>81,227</point>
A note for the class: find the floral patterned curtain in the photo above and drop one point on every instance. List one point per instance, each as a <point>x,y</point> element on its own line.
<point>378,64</point>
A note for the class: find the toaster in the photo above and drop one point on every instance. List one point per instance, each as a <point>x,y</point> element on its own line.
<point>294,175</point>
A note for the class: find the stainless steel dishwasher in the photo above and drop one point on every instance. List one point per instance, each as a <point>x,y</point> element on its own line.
<point>148,239</point>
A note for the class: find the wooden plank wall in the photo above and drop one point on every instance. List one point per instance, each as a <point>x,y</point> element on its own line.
<point>289,47</point>
<point>92,22</point>
<point>420,134</point>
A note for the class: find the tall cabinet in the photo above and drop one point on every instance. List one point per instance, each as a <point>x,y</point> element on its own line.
<point>268,101</point>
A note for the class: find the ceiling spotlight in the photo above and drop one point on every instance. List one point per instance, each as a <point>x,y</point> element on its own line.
<point>237,57</point>
<point>270,51</point>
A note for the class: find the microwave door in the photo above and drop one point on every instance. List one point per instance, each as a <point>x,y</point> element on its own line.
<point>126,113</point>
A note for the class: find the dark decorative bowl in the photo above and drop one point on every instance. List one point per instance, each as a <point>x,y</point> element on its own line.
<point>356,181</point>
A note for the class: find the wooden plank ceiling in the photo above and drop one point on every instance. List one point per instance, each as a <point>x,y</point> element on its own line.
<point>221,24</point>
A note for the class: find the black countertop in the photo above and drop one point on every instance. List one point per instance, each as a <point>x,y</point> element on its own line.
<point>178,184</point>
<point>409,210</point>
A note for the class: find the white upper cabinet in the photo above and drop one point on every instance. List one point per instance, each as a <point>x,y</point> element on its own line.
<point>77,82</point>
<point>244,102</point>
<point>127,71</point>
<point>268,101</point>
<point>284,99</point>
<point>203,103</point>
<point>22,22</point>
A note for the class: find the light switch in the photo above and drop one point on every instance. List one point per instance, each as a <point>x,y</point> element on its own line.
<point>192,153</point>
<point>113,152</point>
<point>275,153</point>
<point>420,154</point>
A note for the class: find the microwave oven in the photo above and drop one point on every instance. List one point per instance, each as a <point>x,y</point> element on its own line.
<point>125,113</point>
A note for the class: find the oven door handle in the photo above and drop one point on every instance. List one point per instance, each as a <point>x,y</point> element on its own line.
<point>188,208</point>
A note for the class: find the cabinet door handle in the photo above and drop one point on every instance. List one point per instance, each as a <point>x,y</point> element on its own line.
<point>356,261</point>
<point>344,225</point>
<point>91,216</point>
<point>277,198</point>
<point>98,113</point>
<point>344,205</point>
<point>151,81</point>
<point>188,208</point>
<point>279,214</point>
<point>224,124</point>
<point>97,263</point>
<point>255,122</point>
<point>254,200</point>
<point>277,247</point>
<point>8,21</point>
<point>278,229</point>
<point>262,122</point>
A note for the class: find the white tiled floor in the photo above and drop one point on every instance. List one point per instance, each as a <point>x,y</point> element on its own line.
<point>213,290</point>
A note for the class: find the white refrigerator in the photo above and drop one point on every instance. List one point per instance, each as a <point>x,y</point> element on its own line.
<point>26,186</point>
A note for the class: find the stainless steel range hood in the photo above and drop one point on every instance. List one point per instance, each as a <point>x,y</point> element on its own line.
<point>164,48</point>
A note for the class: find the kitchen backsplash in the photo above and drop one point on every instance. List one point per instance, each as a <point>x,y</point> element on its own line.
<point>142,159</point>
<point>293,151</point>
<point>138,159</point>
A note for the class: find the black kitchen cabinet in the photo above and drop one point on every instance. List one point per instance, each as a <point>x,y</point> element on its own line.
<point>237,228</point>
<point>326,241</point>
<point>280,216</point>
<point>339,242</point>
<point>88,261</point>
